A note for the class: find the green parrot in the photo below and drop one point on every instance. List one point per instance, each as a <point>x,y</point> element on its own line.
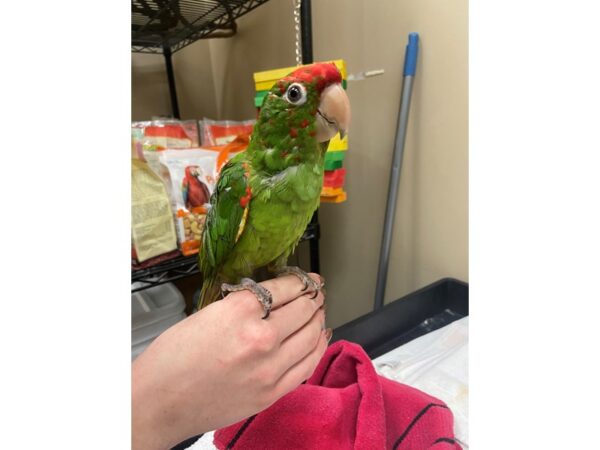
<point>266,195</point>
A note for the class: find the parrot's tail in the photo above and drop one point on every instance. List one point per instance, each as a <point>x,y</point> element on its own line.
<point>210,293</point>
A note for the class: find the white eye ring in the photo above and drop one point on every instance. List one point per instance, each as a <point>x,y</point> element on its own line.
<point>295,94</point>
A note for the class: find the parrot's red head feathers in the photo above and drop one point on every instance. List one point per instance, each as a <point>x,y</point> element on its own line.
<point>190,171</point>
<point>324,74</point>
<point>316,108</point>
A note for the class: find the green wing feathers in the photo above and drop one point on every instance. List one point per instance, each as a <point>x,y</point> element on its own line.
<point>224,223</point>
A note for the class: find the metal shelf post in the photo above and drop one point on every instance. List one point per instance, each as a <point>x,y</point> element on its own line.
<point>307,58</point>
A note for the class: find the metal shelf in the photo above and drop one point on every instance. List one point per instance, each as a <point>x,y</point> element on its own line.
<point>165,272</point>
<point>160,26</point>
<point>186,266</point>
<point>166,26</point>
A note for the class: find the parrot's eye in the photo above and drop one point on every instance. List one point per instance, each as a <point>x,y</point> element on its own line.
<point>296,94</point>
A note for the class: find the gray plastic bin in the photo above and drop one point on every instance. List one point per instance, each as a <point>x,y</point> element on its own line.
<point>154,310</point>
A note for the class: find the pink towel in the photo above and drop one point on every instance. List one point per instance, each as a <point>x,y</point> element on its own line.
<point>346,405</point>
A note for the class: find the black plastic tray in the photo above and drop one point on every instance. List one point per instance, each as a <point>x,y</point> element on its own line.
<point>407,318</point>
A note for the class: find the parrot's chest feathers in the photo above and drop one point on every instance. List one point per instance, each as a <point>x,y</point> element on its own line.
<point>299,187</point>
<point>281,208</point>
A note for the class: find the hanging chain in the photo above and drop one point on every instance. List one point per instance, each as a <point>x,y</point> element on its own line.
<point>297,5</point>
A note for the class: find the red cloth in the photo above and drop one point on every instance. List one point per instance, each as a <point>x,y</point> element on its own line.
<point>346,405</point>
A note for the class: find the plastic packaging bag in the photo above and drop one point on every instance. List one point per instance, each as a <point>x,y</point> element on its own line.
<point>161,134</point>
<point>137,137</point>
<point>151,137</point>
<point>228,151</point>
<point>222,132</point>
<point>191,176</point>
<point>152,228</point>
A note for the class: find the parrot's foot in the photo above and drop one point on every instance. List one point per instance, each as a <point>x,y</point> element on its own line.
<point>262,294</point>
<point>308,281</point>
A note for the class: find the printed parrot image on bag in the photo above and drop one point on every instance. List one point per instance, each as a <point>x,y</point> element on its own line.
<point>266,195</point>
<point>193,190</point>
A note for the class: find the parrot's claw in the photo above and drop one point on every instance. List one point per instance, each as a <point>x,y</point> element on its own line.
<point>262,294</point>
<point>308,281</point>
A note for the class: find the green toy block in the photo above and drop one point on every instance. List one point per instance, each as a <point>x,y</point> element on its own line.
<point>334,156</point>
<point>332,165</point>
<point>259,97</point>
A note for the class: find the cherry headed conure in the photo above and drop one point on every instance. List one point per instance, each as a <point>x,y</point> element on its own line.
<point>266,195</point>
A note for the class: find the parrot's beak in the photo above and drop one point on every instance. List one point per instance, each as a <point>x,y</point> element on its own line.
<point>333,114</point>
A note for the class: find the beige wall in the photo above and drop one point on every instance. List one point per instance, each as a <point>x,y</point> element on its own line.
<point>431,230</point>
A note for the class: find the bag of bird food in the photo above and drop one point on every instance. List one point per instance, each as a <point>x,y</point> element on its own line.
<point>191,177</point>
<point>137,137</point>
<point>152,229</point>
<point>222,132</point>
<point>151,137</point>
<point>169,133</point>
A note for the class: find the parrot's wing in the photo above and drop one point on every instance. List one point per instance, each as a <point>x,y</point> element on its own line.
<point>184,190</point>
<point>226,218</point>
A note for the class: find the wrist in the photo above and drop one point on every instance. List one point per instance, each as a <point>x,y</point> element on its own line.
<point>149,416</point>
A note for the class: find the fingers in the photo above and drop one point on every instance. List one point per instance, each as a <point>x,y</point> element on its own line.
<point>302,370</point>
<point>294,315</point>
<point>287,288</point>
<point>301,343</point>
<point>283,290</point>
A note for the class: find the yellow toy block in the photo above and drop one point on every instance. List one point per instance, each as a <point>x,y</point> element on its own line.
<point>338,145</point>
<point>264,85</point>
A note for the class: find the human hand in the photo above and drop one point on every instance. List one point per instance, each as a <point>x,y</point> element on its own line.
<point>224,363</point>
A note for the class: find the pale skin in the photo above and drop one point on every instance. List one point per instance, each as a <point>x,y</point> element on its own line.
<point>225,363</point>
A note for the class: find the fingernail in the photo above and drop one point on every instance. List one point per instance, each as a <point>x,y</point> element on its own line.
<point>322,280</point>
<point>328,334</point>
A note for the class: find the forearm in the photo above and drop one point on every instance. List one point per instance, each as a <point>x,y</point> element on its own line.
<point>151,420</point>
